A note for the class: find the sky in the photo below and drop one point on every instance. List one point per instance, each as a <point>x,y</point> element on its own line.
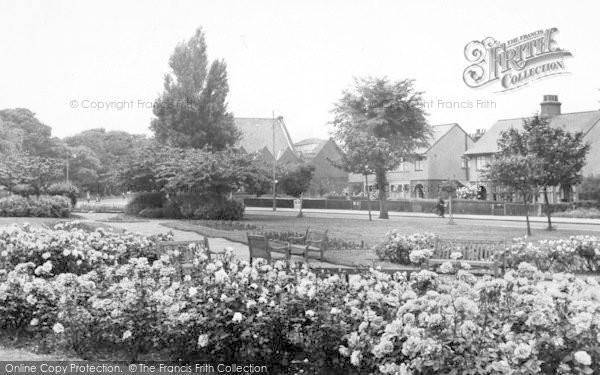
<point>65,59</point>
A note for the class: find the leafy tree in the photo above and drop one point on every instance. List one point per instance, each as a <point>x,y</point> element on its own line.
<point>34,172</point>
<point>520,173</point>
<point>561,153</point>
<point>378,124</point>
<point>259,180</point>
<point>295,181</point>
<point>192,111</point>
<point>33,137</point>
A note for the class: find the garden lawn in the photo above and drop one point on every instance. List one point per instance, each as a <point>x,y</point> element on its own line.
<point>360,230</point>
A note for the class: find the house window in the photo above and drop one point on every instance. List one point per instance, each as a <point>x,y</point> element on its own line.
<point>418,164</point>
<point>481,162</point>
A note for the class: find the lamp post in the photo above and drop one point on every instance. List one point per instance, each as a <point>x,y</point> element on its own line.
<point>274,168</point>
<point>367,191</point>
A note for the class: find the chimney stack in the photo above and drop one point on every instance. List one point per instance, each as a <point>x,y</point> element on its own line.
<point>550,106</point>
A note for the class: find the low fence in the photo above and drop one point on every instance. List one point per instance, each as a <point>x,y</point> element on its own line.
<point>459,206</point>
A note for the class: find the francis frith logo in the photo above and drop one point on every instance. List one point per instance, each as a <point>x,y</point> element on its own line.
<point>514,63</point>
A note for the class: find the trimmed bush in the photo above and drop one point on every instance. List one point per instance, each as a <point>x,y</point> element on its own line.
<point>23,190</point>
<point>64,189</point>
<point>42,206</point>
<point>146,199</point>
<point>220,210</point>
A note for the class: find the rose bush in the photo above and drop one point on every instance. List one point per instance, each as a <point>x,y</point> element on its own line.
<point>286,317</point>
<point>397,248</point>
<point>575,254</point>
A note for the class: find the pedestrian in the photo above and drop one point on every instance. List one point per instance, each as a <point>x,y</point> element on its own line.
<point>87,196</point>
<point>441,207</point>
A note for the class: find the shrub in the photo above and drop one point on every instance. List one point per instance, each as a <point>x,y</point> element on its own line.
<point>65,189</point>
<point>147,199</point>
<point>171,210</point>
<point>397,248</point>
<point>220,210</point>
<point>42,206</point>
<point>23,190</point>
<point>575,254</point>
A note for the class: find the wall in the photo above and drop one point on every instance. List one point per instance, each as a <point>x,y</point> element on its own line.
<point>444,159</point>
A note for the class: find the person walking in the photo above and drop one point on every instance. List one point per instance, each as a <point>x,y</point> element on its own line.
<point>87,196</point>
<point>441,207</point>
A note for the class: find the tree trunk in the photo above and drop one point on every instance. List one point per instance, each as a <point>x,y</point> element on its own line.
<point>527,214</point>
<point>381,186</point>
<point>547,204</point>
<point>301,204</point>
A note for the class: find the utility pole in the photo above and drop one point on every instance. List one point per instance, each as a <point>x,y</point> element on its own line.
<point>368,195</point>
<point>274,168</point>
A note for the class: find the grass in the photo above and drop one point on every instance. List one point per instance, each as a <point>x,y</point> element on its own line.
<point>586,213</point>
<point>359,229</point>
<point>372,233</point>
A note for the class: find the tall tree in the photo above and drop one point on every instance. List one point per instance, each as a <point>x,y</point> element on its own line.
<point>192,111</point>
<point>518,172</point>
<point>561,154</point>
<point>378,124</point>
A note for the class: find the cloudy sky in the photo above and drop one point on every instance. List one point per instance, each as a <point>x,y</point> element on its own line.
<point>291,57</point>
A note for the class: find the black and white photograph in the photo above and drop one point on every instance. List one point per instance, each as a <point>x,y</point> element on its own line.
<point>299,187</point>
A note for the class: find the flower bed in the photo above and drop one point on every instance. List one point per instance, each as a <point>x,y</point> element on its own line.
<point>231,311</point>
<point>575,254</point>
<point>41,206</point>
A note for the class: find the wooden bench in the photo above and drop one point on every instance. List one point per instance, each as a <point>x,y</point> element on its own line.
<point>186,254</point>
<point>485,254</point>
<point>260,247</point>
<point>312,241</point>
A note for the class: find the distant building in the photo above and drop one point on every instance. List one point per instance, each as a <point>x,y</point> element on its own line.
<point>437,163</point>
<point>257,136</point>
<point>480,155</point>
<point>322,153</point>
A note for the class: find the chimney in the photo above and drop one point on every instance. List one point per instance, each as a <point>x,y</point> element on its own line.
<point>550,106</point>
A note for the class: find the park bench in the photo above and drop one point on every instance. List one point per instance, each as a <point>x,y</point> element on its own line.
<point>186,254</point>
<point>260,247</point>
<point>312,241</point>
<point>486,255</point>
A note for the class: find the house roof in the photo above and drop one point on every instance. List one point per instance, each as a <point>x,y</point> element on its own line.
<point>310,147</point>
<point>439,131</point>
<point>573,122</point>
<point>257,133</point>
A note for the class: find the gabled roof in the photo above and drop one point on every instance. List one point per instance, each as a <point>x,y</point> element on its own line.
<point>310,147</point>
<point>439,131</point>
<point>257,133</point>
<point>573,122</point>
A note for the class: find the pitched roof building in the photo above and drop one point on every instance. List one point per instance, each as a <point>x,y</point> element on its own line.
<point>266,136</point>
<point>481,153</point>
<point>322,153</point>
<point>436,163</point>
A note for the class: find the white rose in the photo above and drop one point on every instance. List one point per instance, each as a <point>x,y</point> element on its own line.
<point>58,328</point>
<point>202,340</point>
<point>583,358</point>
<point>192,291</point>
<point>237,317</point>
<point>126,335</point>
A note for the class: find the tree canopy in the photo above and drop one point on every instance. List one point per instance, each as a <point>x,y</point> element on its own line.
<point>378,124</point>
<point>192,110</point>
<point>559,154</point>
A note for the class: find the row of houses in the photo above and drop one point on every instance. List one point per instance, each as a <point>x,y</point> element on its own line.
<point>452,154</point>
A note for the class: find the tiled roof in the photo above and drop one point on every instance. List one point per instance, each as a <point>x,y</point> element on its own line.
<point>310,147</point>
<point>257,133</point>
<point>573,122</point>
<point>438,132</point>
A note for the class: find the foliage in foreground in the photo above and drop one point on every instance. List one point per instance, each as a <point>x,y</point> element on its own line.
<point>232,311</point>
<point>36,206</point>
